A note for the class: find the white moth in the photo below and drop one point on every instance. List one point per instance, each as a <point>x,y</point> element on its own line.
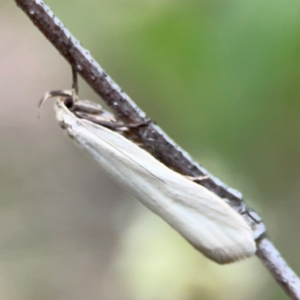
<point>201,217</point>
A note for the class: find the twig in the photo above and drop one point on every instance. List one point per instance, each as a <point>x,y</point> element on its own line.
<point>154,139</point>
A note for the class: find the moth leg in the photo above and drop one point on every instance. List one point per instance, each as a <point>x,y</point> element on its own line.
<point>75,86</point>
<point>197,178</point>
<point>95,120</point>
<point>113,125</point>
<point>252,215</point>
<point>125,127</point>
<point>139,124</point>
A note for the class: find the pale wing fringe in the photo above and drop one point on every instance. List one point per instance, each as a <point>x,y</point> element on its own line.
<point>200,216</point>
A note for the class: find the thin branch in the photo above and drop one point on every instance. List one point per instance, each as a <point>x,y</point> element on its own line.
<point>154,139</point>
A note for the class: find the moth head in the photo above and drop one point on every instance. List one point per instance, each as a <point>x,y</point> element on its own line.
<point>63,96</point>
<point>69,100</point>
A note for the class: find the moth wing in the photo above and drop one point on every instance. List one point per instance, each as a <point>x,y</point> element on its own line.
<point>200,216</point>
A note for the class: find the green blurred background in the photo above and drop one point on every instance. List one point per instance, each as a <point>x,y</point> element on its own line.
<point>220,77</point>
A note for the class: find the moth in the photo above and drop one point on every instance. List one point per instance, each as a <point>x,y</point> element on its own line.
<point>205,220</point>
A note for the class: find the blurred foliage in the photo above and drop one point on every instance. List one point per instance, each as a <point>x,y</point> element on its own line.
<point>162,267</point>
<point>222,79</point>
